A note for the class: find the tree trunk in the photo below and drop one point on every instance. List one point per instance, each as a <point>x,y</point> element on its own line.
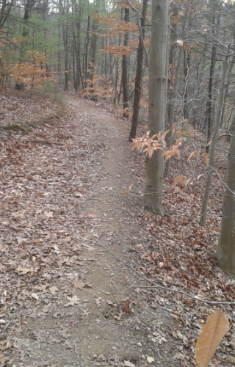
<point>5,11</point>
<point>213,145</point>
<point>174,94</point>
<point>86,50</point>
<point>93,59</point>
<point>187,57</point>
<point>124,71</point>
<point>157,101</point>
<point>226,246</point>
<point>209,101</point>
<point>138,77</point>
<point>25,45</point>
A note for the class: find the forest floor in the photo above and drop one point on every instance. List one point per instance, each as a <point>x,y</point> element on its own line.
<point>77,255</point>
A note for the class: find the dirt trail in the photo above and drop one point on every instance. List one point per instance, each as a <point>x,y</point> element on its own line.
<point>79,312</point>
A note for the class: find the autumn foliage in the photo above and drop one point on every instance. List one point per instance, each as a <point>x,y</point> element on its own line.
<point>32,73</point>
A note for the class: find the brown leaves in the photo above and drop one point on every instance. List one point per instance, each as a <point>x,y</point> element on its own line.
<point>79,284</point>
<point>127,190</point>
<point>182,181</point>
<point>24,271</point>
<point>4,345</point>
<point>74,300</point>
<point>216,327</point>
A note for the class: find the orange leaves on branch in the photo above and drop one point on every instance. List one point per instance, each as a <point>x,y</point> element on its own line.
<point>107,20</point>
<point>32,73</point>
<point>216,327</point>
<point>174,150</point>
<point>194,153</point>
<point>117,51</point>
<point>148,145</point>
<point>98,86</point>
<point>206,156</point>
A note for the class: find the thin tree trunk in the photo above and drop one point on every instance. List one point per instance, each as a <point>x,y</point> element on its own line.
<point>187,57</point>
<point>174,92</point>
<point>209,101</point>
<point>157,101</point>
<point>213,145</point>
<point>124,72</point>
<point>86,49</point>
<point>226,246</point>
<point>138,78</point>
<point>24,45</point>
<point>93,58</point>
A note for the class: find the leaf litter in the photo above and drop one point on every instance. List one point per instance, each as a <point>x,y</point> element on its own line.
<point>59,305</point>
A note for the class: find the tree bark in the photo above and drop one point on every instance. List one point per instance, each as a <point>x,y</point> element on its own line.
<point>138,77</point>
<point>157,101</point>
<point>226,246</point>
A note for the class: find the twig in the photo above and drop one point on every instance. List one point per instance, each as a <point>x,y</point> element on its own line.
<point>161,286</point>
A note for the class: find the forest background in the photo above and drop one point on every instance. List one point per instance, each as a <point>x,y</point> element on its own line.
<point>102,51</point>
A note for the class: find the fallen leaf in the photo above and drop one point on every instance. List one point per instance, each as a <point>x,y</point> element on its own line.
<point>216,327</point>
<point>72,301</point>
<point>98,301</point>
<point>53,290</point>
<point>3,359</point>
<point>49,214</point>
<point>78,284</point>
<point>77,194</point>
<point>128,364</point>
<point>35,296</point>
<point>150,359</point>
<point>24,271</point>
<point>4,345</point>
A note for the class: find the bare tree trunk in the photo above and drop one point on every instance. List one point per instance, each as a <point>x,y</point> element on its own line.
<point>138,77</point>
<point>213,145</point>
<point>93,58</point>
<point>157,102</point>
<point>124,71</point>
<point>187,57</point>
<point>174,94</point>
<point>86,50</point>
<point>5,11</point>
<point>209,101</point>
<point>226,246</point>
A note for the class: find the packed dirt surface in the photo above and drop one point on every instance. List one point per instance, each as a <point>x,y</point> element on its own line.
<point>69,294</point>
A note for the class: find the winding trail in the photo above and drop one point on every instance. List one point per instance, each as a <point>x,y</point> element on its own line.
<point>77,311</point>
